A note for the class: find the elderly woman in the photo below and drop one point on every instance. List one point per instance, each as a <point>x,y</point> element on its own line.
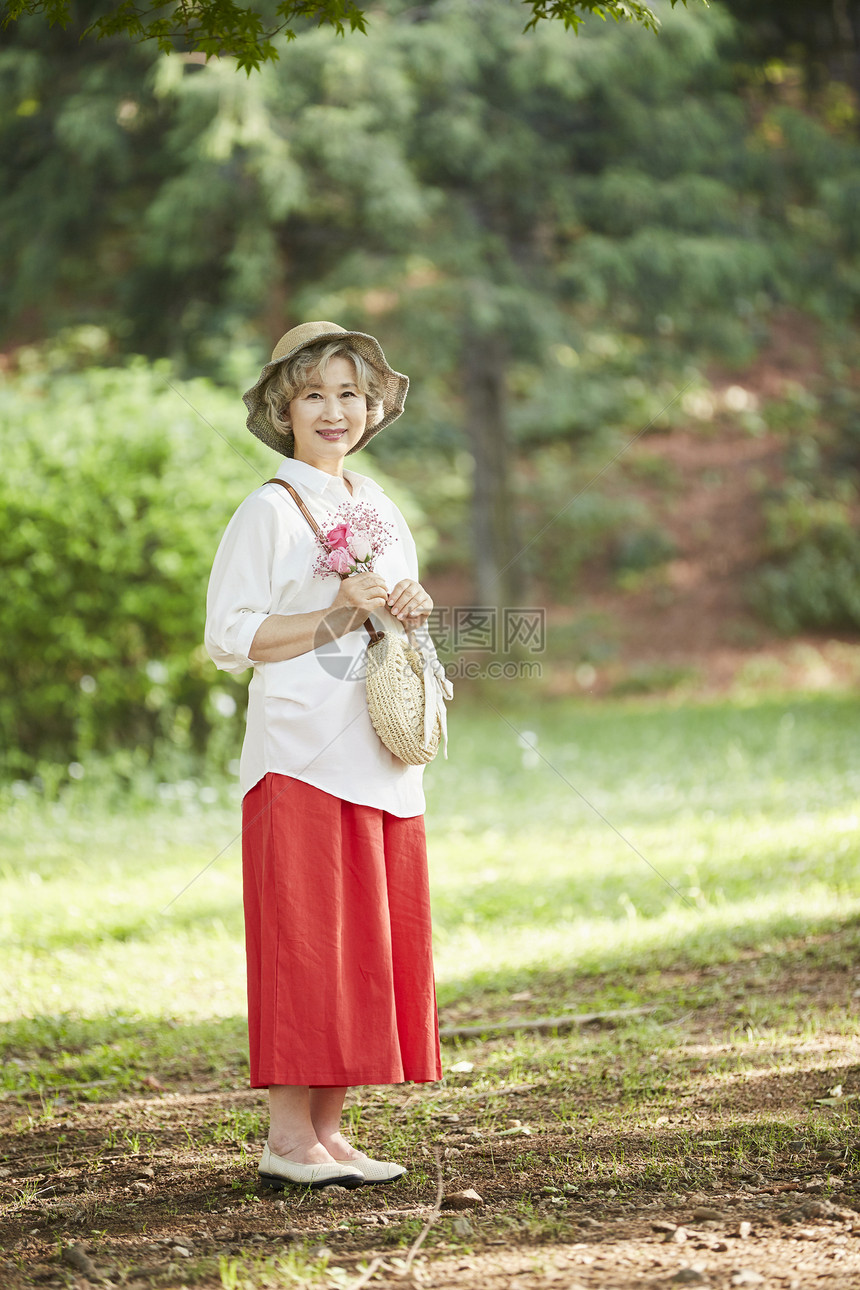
<point>337,916</point>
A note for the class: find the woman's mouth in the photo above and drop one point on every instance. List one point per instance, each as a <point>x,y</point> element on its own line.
<point>331,434</point>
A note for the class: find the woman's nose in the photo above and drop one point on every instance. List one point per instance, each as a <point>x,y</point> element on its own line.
<point>332,410</point>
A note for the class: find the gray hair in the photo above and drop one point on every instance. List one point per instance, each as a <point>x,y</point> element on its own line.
<point>294,375</point>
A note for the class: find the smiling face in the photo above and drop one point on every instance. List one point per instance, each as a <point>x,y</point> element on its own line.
<point>328,416</point>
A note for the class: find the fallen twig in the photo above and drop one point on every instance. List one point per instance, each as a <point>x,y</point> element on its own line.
<point>369,1272</point>
<point>431,1218</point>
<point>403,1271</point>
<point>566,1022</point>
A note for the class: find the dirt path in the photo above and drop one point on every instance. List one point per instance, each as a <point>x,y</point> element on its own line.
<point>688,1148</point>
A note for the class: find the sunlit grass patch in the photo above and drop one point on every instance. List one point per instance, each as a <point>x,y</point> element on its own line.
<point>613,841</point>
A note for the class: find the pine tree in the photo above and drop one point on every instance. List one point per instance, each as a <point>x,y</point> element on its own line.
<point>483,199</point>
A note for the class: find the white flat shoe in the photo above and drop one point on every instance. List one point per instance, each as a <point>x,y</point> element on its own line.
<point>275,1171</point>
<point>375,1171</point>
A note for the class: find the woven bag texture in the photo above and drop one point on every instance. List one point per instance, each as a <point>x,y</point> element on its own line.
<point>396,698</point>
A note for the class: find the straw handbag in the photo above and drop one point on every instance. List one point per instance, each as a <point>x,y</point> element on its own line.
<point>406,686</point>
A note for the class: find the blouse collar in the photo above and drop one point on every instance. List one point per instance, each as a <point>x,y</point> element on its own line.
<point>320,481</point>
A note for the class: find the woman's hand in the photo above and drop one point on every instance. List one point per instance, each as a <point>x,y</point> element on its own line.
<point>365,593</point>
<point>410,604</point>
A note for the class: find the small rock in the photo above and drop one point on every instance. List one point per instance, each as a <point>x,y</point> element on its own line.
<point>747,1277</point>
<point>705,1214</point>
<point>462,1227</point>
<point>77,1256</point>
<point>679,1235</point>
<point>182,1251</point>
<point>796,1144</point>
<point>659,1225</point>
<point>689,1277</point>
<point>744,1229</point>
<point>719,1247</point>
<point>146,1172</point>
<point>452,1151</point>
<point>468,1199</point>
<point>816,1209</point>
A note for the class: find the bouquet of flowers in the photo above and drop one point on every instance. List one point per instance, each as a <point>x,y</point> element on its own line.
<point>354,540</point>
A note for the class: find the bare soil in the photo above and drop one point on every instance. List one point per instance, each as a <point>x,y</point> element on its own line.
<point>567,1198</point>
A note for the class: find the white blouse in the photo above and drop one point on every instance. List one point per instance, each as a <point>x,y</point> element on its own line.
<point>307,716</point>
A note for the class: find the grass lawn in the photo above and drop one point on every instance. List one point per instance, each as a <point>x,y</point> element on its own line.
<point>609,839</point>
<point>699,860</point>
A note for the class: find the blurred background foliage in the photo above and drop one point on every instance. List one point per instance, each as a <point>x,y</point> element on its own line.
<point>553,234</point>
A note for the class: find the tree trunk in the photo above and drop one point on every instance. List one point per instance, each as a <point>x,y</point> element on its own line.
<point>498,574</point>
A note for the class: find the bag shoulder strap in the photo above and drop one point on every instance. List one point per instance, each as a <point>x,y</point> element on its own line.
<point>298,501</point>
<point>371,630</point>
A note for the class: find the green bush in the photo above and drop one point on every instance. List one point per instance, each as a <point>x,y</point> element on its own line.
<point>817,586</point>
<point>574,517</point>
<point>813,576</point>
<point>114,494</point>
<point>642,547</point>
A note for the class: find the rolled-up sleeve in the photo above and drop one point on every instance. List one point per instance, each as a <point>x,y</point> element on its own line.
<point>239,598</point>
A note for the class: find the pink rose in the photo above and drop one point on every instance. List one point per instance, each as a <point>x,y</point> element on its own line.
<point>338,537</point>
<point>360,547</point>
<point>339,560</point>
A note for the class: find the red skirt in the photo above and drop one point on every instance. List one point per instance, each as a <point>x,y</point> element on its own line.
<point>338,941</point>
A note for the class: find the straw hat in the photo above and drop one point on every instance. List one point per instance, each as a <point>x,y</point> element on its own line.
<point>395,383</point>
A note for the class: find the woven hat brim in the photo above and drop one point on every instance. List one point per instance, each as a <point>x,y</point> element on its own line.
<point>396,387</point>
